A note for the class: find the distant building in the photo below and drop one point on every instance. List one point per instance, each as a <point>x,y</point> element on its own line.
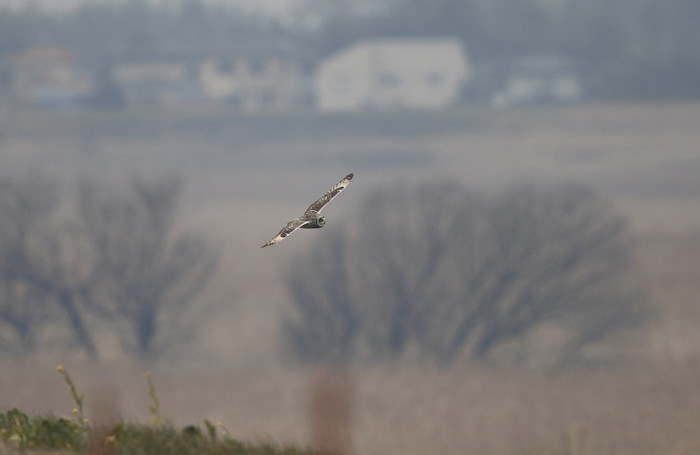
<point>252,77</point>
<point>157,81</point>
<point>383,74</point>
<point>45,76</point>
<point>260,76</point>
<point>537,80</point>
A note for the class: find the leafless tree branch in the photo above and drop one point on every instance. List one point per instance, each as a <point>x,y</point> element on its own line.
<point>121,260</point>
<point>456,274</point>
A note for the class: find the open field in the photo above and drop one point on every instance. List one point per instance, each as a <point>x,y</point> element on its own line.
<point>650,409</point>
<point>644,156</point>
<point>247,175</point>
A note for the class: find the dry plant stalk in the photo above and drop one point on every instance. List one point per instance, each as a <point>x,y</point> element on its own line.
<point>331,411</point>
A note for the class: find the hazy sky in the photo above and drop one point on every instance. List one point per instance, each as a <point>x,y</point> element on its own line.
<point>271,6</point>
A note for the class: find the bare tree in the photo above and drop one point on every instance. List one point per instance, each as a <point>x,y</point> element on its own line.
<point>24,208</point>
<point>455,274</point>
<point>121,261</point>
<point>38,290</point>
<point>144,270</point>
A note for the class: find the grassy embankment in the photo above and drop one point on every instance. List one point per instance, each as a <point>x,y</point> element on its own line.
<point>20,433</point>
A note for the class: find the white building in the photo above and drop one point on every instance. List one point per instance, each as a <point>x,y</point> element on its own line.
<point>254,82</point>
<point>542,79</point>
<point>253,77</point>
<point>393,74</point>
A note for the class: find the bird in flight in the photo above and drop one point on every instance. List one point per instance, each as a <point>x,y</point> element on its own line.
<point>311,219</point>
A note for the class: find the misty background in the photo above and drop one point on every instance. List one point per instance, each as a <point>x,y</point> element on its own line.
<point>513,269</point>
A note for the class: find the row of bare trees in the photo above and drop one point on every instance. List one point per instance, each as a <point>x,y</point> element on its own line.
<point>455,274</point>
<point>107,260</point>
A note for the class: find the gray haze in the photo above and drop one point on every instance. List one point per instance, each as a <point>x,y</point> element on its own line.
<point>268,6</point>
<point>525,178</point>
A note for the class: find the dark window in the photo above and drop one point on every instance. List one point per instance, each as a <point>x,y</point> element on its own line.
<point>226,66</point>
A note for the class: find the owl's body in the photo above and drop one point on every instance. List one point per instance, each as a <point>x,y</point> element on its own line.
<point>315,220</point>
<point>311,219</point>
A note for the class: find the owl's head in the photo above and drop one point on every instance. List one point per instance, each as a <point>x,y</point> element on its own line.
<point>321,221</point>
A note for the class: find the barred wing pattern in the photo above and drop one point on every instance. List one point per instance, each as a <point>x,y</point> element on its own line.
<point>330,194</point>
<point>288,229</point>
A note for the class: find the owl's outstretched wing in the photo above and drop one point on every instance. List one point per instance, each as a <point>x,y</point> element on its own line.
<point>292,226</point>
<point>330,194</point>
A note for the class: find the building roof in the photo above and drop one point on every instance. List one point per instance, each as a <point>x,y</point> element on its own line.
<point>391,51</point>
<point>44,54</point>
<point>392,45</point>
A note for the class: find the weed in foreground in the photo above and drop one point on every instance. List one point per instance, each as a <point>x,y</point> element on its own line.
<point>78,398</point>
<point>155,408</point>
<point>166,440</point>
<point>20,433</point>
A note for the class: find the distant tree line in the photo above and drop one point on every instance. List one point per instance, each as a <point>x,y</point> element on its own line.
<point>111,257</point>
<point>133,27</point>
<point>454,275</point>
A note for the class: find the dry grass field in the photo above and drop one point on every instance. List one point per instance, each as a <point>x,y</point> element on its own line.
<point>247,176</point>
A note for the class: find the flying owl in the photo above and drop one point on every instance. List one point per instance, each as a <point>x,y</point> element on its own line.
<point>311,219</point>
